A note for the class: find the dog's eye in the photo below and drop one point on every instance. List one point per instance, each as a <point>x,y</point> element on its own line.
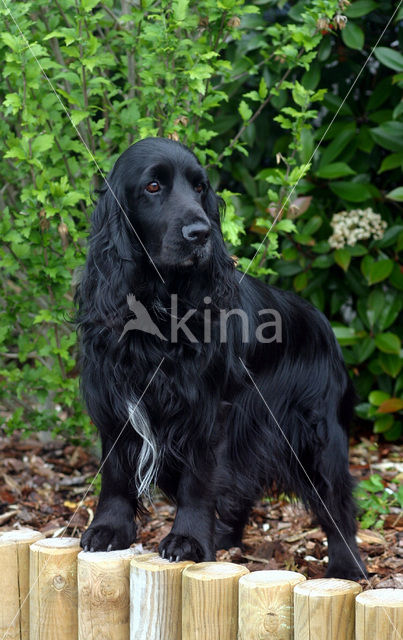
<point>199,187</point>
<point>153,187</point>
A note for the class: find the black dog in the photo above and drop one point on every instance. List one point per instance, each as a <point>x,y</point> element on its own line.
<point>212,414</point>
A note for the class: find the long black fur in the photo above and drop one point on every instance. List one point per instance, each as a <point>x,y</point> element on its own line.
<point>218,447</point>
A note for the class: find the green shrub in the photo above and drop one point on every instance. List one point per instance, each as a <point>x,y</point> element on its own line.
<point>244,85</point>
<point>374,501</point>
<point>357,281</point>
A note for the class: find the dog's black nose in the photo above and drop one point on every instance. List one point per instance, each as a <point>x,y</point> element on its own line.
<point>197,233</point>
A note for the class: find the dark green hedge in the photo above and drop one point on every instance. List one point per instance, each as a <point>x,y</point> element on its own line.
<point>259,92</point>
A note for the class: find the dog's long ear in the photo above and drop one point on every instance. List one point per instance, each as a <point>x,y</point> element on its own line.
<point>222,265</point>
<point>113,252</point>
<point>214,205</point>
<point>110,224</point>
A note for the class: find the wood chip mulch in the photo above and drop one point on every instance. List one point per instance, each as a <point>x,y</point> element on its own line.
<point>42,484</point>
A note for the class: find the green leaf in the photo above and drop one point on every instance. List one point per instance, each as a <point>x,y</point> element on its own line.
<point>263,91</point>
<point>388,343</point>
<point>343,258</point>
<point>335,170</point>
<point>389,135</point>
<point>311,78</point>
<point>353,36</point>
<point>245,111</point>
<point>377,397</point>
<point>43,143</point>
<point>383,423</point>
<point>362,410</point>
<point>312,225</point>
<point>398,110</point>
<point>351,191</point>
<point>77,116</point>
<point>391,236</point>
<point>14,42</point>
<point>376,271</point>
<point>396,194</point>
<point>335,148</point>
<point>364,349</point>
<point>396,277</point>
<point>389,311</point>
<point>360,8</point>
<point>285,225</point>
<point>44,315</point>
<point>375,302</point>
<point>380,93</point>
<point>364,140</point>
<point>374,484</point>
<point>303,239</point>
<point>391,364</point>
<point>345,335</point>
<point>180,9</point>
<point>300,281</point>
<point>300,95</point>
<point>307,146</point>
<point>394,432</point>
<point>399,496</point>
<point>335,104</point>
<point>357,250</point>
<point>323,262</point>
<point>288,269</point>
<point>379,271</point>
<point>390,58</point>
<point>393,161</point>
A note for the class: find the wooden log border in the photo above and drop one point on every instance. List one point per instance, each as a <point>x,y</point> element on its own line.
<point>51,590</point>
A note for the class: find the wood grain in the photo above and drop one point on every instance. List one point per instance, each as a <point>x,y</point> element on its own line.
<point>325,608</point>
<point>156,598</point>
<point>104,594</point>
<point>210,601</point>
<point>53,581</point>
<point>379,615</point>
<point>14,583</point>
<point>266,605</point>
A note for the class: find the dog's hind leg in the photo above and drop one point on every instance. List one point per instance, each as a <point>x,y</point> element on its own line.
<point>333,505</point>
<point>233,513</point>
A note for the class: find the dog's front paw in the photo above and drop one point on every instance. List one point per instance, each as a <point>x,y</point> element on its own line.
<point>108,536</point>
<point>177,547</point>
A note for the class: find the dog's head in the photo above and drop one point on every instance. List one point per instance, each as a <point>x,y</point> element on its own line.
<point>158,196</point>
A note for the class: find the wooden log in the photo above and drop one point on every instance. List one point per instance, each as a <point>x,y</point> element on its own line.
<point>156,598</point>
<point>14,583</point>
<point>379,615</point>
<point>210,601</point>
<point>104,594</point>
<point>325,608</point>
<point>53,582</point>
<point>266,605</point>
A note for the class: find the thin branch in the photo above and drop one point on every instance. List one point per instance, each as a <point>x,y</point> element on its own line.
<point>65,18</point>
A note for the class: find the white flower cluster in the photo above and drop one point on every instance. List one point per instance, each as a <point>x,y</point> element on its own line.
<point>354,225</point>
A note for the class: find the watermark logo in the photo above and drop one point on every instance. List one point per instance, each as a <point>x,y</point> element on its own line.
<point>142,321</point>
<point>267,330</point>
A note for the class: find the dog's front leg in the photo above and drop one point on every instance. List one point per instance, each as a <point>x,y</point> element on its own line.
<point>113,526</point>
<point>192,535</point>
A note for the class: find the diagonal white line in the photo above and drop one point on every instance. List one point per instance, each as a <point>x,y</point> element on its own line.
<point>82,139</point>
<point>85,495</point>
<point>314,488</point>
<point>301,465</point>
<point>306,166</point>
